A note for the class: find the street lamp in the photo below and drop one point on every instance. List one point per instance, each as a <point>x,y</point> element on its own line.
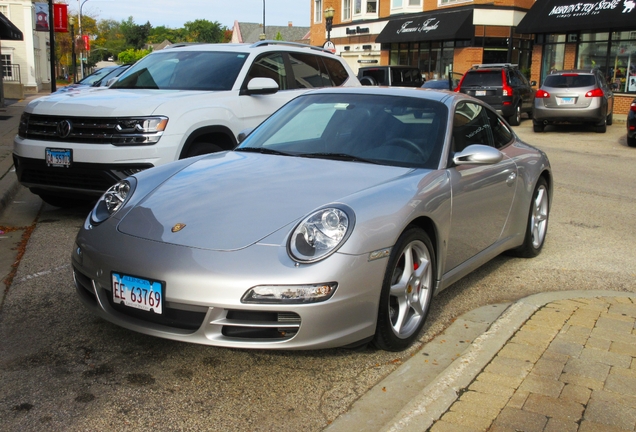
<point>262,36</point>
<point>329,12</point>
<point>80,35</point>
<point>71,21</point>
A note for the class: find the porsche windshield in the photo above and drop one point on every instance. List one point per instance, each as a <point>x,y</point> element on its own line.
<point>184,70</point>
<point>388,130</point>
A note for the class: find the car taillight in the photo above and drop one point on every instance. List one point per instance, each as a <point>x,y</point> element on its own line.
<point>542,94</point>
<point>597,92</point>
<point>507,90</point>
<point>632,107</point>
<point>459,86</point>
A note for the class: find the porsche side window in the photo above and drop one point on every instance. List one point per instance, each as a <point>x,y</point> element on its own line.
<point>471,126</point>
<point>502,136</point>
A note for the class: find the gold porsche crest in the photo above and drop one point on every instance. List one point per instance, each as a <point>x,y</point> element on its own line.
<point>178,227</point>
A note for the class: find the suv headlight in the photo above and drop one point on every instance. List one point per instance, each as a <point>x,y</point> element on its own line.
<point>320,234</point>
<point>136,131</point>
<point>112,200</point>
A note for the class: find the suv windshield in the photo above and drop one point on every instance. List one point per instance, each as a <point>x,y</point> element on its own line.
<point>184,70</point>
<point>569,80</point>
<point>482,78</point>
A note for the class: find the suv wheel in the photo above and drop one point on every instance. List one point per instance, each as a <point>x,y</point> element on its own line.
<point>610,119</point>
<point>602,126</point>
<point>515,119</point>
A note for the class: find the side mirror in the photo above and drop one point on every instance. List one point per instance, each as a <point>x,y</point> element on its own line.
<point>533,83</point>
<point>110,82</point>
<point>260,86</point>
<point>243,134</point>
<point>478,154</point>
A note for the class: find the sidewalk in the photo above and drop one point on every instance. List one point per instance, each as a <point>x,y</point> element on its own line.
<point>561,361</point>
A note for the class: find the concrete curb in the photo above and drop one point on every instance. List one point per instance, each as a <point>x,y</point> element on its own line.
<point>8,182</point>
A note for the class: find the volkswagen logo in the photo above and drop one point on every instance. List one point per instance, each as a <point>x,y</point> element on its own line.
<point>64,128</point>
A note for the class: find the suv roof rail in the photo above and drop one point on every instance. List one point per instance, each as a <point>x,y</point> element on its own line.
<point>490,65</point>
<point>286,43</point>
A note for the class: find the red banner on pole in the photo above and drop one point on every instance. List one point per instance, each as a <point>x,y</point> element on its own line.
<point>87,43</point>
<point>60,17</point>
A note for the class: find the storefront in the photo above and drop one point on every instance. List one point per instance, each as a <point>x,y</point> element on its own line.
<point>575,35</point>
<point>452,40</point>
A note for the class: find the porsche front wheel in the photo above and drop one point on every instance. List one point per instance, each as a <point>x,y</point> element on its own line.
<point>407,291</point>
<point>537,225</point>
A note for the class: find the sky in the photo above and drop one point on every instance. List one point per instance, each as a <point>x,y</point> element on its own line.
<point>175,13</point>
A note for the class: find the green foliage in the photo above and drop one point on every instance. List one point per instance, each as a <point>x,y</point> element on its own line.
<point>203,31</point>
<point>279,37</point>
<point>136,35</point>
<point>132,55</point>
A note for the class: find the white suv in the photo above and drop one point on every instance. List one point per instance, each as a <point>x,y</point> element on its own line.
<point>182,101</point>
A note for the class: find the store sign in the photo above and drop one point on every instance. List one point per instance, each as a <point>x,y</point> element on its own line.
<point>41,17</point>
<point>590,9</point>
<point>357,30</point>
<point>424,27</point>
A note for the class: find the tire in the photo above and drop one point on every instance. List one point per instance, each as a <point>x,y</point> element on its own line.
<point>407,290</point>
<point>601,127</point>
<point>610,119</point>
<point>538,127</point>
<point>515,119</point>
<point>530,113</point>
<point>202,147</point>
<point>631,141</point>
<point>537,226</point>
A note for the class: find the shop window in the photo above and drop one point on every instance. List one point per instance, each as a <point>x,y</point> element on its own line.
<point>621,72</point>
<point>553,56</point>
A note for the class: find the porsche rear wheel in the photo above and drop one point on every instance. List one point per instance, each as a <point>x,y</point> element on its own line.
<point>407,291</point>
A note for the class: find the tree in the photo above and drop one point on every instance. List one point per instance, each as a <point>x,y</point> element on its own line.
<point>132,55</point>
<point>203,31</point>
<point>136,35</point>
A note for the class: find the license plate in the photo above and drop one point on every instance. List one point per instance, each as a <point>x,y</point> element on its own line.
<point>480,93</point>
<point>56,157</point>
<point>567,101</point>
<point>138,293</point>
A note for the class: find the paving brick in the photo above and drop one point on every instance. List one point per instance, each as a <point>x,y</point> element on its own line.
<point>609,334</point>
<point>530,353</point>
<point>518,399</point>
<point>492,388</point>
<point>598,343</point>
<point>574,333</point>
<point>628,401</point>
<point>588,426</point>
<point>557,425</point>
<point>468,420</point>
<point>576,393</point>
<point>485,399</point>
<point>615,325</point>
<point>584,318</point>
<point>621,384</point>
<point>614,315</point>
<point>542,385</point>
<point>548,368</point>
<point>476,409</point>
<point>533,328</point>
<point>534,338</point>
<point>627,309</point>
<point>500,380</point>
<point>610,413</point>
<point>588,369</point>
<point>554,356</point>
<point>442,426</point>
<point>623,348</point>
<point>509,366</point>
<point>553,407</point>
<point>605,357</point>
<point>515,419</point>
<point>582,381</point>
<point>568,348</point>
<point>631,373</point>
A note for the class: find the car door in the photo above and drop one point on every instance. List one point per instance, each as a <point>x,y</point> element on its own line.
<point>482,195</point>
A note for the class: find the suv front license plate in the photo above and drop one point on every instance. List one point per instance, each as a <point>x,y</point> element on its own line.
<point>138,293</point>
<point>56,157</point>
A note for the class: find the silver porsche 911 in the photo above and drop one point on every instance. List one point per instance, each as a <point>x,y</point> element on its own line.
<point>332,224</point>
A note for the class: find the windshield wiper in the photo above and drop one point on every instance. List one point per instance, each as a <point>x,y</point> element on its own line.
<point>337,156</point>
<point>262,150</point>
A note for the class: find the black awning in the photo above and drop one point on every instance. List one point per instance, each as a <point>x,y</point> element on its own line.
<point>564,16</point>
<point>446,25</point>
<point>8,31</point>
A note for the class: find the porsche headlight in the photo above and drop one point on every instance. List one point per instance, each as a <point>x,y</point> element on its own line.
<point>320,234</point>
<point>112,200</point>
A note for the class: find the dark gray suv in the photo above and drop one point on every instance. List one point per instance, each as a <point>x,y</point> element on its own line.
<point>503,87</point>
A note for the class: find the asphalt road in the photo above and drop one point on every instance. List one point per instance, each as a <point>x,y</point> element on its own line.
<point>63,369</point>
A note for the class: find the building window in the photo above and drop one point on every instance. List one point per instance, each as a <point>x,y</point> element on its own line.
<point>366,7</point>
<point>318,11</point>
<point>7,72</point>
<point>403,5</point>
<point>449,2</point>
<point>346,10</point>
<point>4,10</point>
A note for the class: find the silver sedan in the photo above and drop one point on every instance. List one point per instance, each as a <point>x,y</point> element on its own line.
<point>334,223</point>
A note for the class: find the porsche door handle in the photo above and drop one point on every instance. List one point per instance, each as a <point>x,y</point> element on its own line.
<point>511,179</point>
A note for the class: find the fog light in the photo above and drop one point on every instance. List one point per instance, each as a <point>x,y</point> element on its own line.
<point>290,294</point>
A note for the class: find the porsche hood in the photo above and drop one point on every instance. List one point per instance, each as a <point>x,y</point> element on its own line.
<point>228,201</point>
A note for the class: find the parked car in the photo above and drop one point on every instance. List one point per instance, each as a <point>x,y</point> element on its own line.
<point>502,86</point>
<point>330,225</point>
<point>395,76</point>
<point>182,101</point>
<point>102,77</point>
<point>574,96</point>
<point>444,83</point>
<point>631,125</point>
